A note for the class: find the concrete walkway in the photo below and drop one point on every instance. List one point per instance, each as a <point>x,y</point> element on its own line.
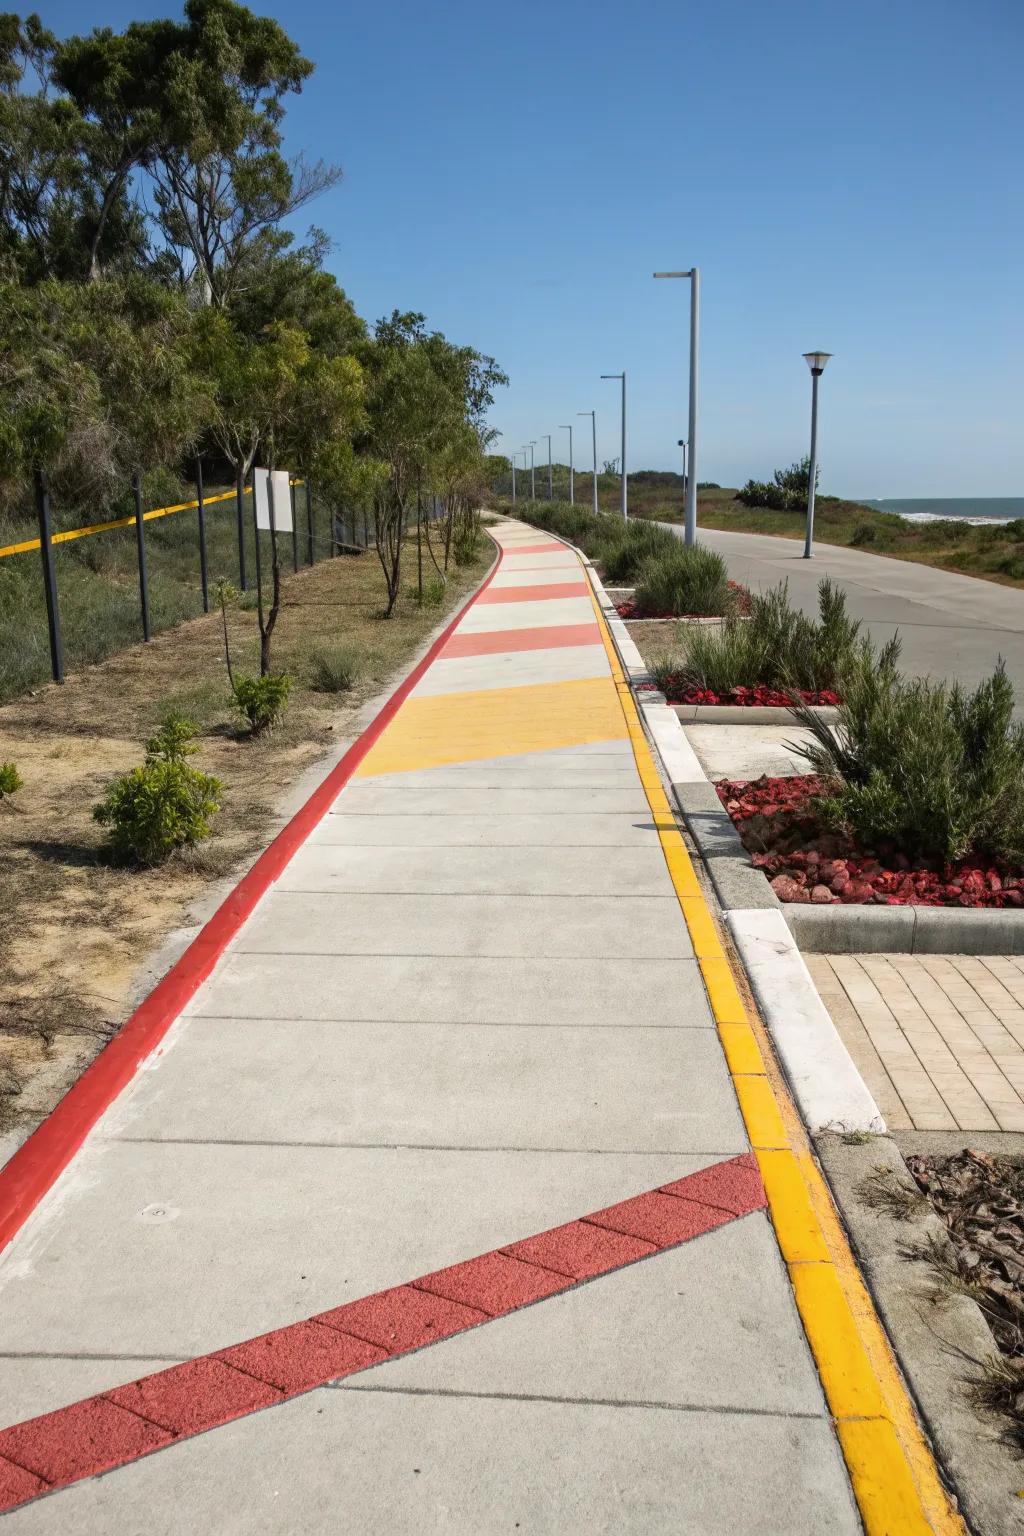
<point>951,626</point>
<point>469,1011</point>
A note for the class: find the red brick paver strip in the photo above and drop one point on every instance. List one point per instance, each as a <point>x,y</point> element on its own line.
<point>128,1422</point>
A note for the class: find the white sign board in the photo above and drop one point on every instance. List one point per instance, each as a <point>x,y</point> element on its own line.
<point>282,499</point>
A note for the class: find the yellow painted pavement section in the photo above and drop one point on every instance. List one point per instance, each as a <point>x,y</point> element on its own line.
<point>892,1471</point>
<point>431,731</point>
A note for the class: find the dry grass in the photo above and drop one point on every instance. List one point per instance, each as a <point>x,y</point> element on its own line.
<point>77,930</point>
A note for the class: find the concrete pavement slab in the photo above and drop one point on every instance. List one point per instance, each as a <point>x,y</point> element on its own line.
<point>571,830</point>
<point>475,871</point>
<point>288,922</point>
<point>189,1247</point>
<point>404,1464</point>
<point>514,669</point>
<point>527,614</point>
<point>636,1341</point>
<point>442,1085</point>
<point>396,796</point>
<point>477,990</point>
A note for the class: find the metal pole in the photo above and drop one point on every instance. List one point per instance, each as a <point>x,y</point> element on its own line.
<point>513,459</point>
<point>204,578</point>
<point>593,435</point>
<point>813,468</point>
<point>533,477</point>
<point>259,568</point>
<point>567,427</point>
<point>295,530</point>
<point>309,525</point>
<point>625,497</point>
<point>240,518</point>
<point>690,529</point>
<point>551,488</point>
<point>140,544</point>
<point>419,537</point>
<point>49,577</point>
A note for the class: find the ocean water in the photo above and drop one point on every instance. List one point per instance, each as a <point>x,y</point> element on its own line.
<point>965,509</point>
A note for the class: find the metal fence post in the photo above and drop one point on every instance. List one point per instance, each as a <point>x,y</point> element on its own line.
<point>49,577</point>
<point>202,537</point>
<point>140,544</point>
<point>240,518</point>
<point>295,531</point>
<point>309,524</point>
<point>256,545</point>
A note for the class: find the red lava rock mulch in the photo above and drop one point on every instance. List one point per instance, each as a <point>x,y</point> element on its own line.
<point>627,609</point>
<point>807,862</point>
<point>678,691</point>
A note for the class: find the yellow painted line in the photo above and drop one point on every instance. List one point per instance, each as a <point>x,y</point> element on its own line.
<point>436,729</point>
<point>68,534</point>
<point>892,1471</point>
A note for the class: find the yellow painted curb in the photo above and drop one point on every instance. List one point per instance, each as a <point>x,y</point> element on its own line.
<point>891,1467</point>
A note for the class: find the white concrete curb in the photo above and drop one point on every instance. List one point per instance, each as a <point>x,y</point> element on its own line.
<point>830,1091</point>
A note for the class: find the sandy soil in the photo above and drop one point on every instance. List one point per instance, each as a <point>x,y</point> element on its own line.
<point>77,930</point>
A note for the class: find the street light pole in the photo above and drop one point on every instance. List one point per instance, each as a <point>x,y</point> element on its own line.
<point>593,434</point>
<point>533,477</point>
<point>572,494</point>
<point>690,529</point>
<point>625,496</point>
<point>513,460</point>
<point>551,493</point>
<point>816,363</point>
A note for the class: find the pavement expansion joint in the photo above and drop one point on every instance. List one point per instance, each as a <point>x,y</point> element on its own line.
<point>727,1410</point>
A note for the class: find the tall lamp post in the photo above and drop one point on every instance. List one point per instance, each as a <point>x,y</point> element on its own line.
<point>551,492</point>
<point>625,500</point>
<point>572,495</point>
<point>533,475</point>
<point>690,530</point>
<point>593,434</point>
<point>816,363</point>
<point>512,460</point>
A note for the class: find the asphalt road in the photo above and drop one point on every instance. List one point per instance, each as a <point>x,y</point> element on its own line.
<point>951,626</point>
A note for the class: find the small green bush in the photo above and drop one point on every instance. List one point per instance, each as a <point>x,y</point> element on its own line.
<point>466,546</point>
<point>933,770</point>
<point>261,701</point>
<point>433,593</point>
<point>786,492</point>
<point>684,581</point>
<point>162,805</point>
<point>623,549</point>
<point>334,669</point>
<point>864,533</point>
<point>777,645</point>
<point>10,779</point>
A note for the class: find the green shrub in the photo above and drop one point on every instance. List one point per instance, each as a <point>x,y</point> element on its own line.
<point>864,533</point>
<point>433,593</point>
<point>334,669</point>
<point>466,546</point>
<point>10,779</point>
<point>778,645</point>
<point>162,805</point>
<point>684,581</point>
<point>934,770</point>
<point>623,549</point>
<point>261,701</point>
<point>786,492</point>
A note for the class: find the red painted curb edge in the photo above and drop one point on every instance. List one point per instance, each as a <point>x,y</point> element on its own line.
<point>128,1422</point>
<point>39,1162</point>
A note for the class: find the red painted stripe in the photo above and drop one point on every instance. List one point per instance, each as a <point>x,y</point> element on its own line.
<point>536,594</point>
<point>40,1161</point>
<point>549,638</point>
<point>547,548</point>
<point>126,1423</point>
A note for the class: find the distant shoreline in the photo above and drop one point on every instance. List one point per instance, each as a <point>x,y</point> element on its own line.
<point>977,510</point>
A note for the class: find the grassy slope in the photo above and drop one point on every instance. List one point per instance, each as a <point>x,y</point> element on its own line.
<point>995,553</point>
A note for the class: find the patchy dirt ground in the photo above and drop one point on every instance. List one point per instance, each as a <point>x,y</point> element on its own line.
<point>76,930</point>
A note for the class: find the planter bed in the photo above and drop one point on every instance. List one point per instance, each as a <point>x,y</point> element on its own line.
<point>679,691</point>
<point>625,607</point>
<point>806,863</point>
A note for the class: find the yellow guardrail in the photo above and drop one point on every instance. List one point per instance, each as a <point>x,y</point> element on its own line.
<point>124,522</point>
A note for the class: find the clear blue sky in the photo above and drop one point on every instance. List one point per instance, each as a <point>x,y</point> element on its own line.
<point>847,176</point>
